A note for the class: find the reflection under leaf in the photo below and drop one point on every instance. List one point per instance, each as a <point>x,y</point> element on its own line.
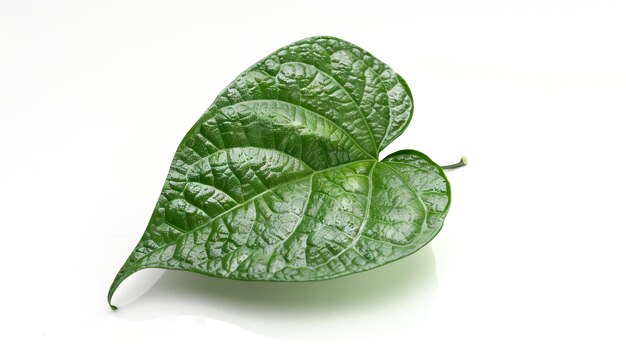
<point>387,297</point>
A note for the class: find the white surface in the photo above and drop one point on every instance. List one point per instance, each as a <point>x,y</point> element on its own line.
<point>94,98</point>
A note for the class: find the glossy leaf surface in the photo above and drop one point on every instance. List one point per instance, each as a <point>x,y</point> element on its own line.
<point>280,180</point>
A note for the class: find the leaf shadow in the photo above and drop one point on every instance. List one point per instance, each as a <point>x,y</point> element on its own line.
<point>383,298</point>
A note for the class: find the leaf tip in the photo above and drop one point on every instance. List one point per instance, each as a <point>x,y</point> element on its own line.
<point>113,307</point>
<point>114,286</point>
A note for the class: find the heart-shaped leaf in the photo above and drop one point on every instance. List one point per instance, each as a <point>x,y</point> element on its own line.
<point>279,179</point>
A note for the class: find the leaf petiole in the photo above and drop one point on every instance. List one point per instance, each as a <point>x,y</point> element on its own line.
<point>461,163</point>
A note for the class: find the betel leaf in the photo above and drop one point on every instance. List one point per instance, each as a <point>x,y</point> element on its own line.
<point>279,180</point>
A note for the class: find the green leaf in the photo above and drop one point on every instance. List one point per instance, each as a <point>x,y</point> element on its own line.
<point>279,179</point>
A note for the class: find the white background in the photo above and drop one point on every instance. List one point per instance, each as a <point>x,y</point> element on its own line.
<point>95,96</point>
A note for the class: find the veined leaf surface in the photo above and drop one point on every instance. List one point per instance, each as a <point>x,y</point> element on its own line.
<point>280,180</point>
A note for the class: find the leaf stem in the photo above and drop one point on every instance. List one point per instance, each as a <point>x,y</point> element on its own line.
<point>461,163</point>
